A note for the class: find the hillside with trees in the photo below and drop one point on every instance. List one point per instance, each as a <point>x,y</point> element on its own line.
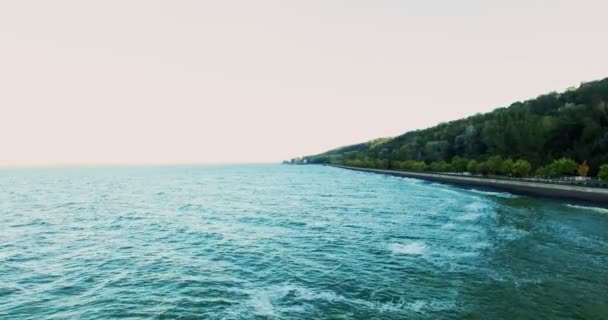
<point>556,134</point>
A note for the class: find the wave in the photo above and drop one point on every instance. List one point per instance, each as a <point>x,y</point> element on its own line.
<point>474,211</point>
<point>262,305</point>
<point>495,194</point>
<point>415,248</point>
<point>270,302</point>
<point>596,209</point>
<point>476,206</point>
<point>435,186</point>
<point>412,180</point>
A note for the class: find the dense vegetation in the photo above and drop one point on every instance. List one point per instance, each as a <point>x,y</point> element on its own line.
<point>557,134</point>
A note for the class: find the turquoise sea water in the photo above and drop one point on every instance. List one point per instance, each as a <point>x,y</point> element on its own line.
<point>289,242</point>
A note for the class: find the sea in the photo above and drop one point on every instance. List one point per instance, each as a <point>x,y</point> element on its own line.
<point>270,241</point>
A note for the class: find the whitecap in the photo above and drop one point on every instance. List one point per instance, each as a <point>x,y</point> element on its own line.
<point>415,248</point>
<point>417,305</point>
<point>450,191</point>
<point>596,209</point>
<point>495,194</point>
<point>262,305</point>
<point>310,295</point>
<point>413,181</point>
<point>476,206</point>
<point>474,211</point>
<point>472,216</point>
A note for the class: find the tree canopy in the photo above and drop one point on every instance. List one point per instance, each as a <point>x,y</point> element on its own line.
<point>551,135</point>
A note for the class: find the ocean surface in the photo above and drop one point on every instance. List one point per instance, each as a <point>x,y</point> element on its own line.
<point>290,242</point>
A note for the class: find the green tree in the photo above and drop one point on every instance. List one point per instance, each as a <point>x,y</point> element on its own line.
<point>382,164</point>
<point>506,168</point>
<point>369,163</point>
<point>483,168</point>
<point>494,163</point>
<point>521,168</point>
<point>603,173</point>
<point>542,172</point>
<point>570,124</point>
<point>568,166</point>
<point>472,167</point>
<point>440,166</point>
<point>562,167</point>
<point>459,164</point>
<point>356,163</point>
<point>418,166</point>
<point>336,159</point>
<point>407,165</point>
<point>395,165</point>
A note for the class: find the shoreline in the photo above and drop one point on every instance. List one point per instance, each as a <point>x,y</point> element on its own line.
<point>539,189</point>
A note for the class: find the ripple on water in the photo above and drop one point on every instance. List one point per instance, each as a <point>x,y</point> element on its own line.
<point>289,242</point>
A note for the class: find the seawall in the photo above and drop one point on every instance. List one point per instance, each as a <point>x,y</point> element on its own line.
<point>559,191</point>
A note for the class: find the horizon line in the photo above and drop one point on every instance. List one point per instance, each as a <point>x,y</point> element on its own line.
<point>128,164</point>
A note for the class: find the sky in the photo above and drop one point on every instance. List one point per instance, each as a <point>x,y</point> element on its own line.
<point>176,81</point>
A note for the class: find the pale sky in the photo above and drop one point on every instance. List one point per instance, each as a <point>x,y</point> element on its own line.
<point>142,81</point>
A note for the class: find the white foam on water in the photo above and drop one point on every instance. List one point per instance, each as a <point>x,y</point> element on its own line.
<point>471,216</point>
<point>495,194</point>
<point>265,302</point>
<point>261,301</point>
<point>262,305</point>
<point>455,257</point>
<point>414,248</point>
<point>433,305</point>
<point>474,211</point>
<point>418,306</point>
<point>450,191</point>
<point>448,226</point>
<point>510,233</point>
<point>310,295</point>
<point>517,280</point>
<point>317,224</point>
<point>476,206</point>
<point>412,180</point>
<point>596,209</point>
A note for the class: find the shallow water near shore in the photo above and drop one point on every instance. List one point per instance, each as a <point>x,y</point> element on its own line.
<point>289,242</point>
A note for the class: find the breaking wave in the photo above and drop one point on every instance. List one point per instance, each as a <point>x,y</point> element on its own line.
<point>495,194</point>
<point>596,209</point>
